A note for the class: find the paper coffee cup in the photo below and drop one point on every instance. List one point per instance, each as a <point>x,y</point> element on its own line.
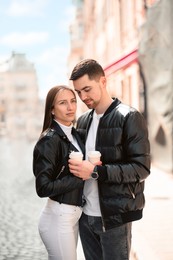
<point>94,156</point>
<point>78,156</point>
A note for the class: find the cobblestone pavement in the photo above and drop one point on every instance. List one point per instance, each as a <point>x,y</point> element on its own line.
<point>19,204</point>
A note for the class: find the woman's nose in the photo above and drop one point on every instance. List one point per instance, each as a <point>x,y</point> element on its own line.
<point>70,106</point>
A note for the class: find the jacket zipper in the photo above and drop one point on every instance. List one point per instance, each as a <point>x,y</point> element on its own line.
<point>131,192</point>
<point>103,224</point>
<point>62,169</point>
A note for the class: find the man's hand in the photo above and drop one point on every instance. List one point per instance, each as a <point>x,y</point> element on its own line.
<point>82,169</point>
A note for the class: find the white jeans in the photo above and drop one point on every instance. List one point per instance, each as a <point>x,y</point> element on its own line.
<point>58,228</point>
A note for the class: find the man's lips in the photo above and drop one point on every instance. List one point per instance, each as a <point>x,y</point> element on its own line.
<point>87,102</point>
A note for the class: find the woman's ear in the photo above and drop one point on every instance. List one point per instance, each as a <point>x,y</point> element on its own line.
<point>53,112</point>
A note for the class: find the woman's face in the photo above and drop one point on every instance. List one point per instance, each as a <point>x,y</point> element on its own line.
<point>64,107</point>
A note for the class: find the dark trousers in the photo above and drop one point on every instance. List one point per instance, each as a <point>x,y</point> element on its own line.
<point>114,244</point>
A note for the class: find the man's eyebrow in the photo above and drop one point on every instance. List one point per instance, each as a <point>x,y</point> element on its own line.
<point>82,89</point>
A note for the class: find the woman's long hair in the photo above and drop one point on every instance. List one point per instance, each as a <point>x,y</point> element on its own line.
<point>48,117</point>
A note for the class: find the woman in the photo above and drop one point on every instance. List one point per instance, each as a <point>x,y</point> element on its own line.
<point>58,225</point>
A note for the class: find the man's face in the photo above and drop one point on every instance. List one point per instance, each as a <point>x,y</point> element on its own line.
<point>89,91</point>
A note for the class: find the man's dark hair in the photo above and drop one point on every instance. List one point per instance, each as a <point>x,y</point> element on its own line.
<point>87,67</point>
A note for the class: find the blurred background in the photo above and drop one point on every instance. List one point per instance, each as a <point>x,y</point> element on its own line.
<point>40,42</point>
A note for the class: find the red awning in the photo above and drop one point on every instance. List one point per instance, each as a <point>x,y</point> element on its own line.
<point>122,63</point>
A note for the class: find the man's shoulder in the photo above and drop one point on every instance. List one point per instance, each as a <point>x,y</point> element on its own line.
<point>125,109</point>
<point>83,120</point>
<point>85,115</point>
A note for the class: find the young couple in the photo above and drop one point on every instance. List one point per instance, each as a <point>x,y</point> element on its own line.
<point>102,204</point>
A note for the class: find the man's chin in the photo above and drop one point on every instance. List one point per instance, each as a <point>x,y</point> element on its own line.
<point>90,106</point>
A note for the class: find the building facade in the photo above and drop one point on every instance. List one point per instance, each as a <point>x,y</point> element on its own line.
<point>20,107</point>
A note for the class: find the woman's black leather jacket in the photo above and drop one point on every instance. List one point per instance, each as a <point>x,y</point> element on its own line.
<point>50,167</point>
<point>122,139</point>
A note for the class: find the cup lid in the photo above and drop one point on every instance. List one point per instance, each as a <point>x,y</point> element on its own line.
<point>94,153</point>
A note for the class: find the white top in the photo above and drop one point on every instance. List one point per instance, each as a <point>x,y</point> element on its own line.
<point>92,206</point>
<point>67,130</point>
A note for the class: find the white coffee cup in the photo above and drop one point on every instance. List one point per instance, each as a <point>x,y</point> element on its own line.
<point>78,156</point>
<point>94,156</point>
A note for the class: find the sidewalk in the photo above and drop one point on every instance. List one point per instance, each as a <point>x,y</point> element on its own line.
<point>153,234</point>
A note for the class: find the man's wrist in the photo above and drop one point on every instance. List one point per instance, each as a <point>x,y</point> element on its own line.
<point>94,175</point>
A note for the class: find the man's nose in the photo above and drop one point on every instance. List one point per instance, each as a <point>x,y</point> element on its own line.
<point>83,96</point>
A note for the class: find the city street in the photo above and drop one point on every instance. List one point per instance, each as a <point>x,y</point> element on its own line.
<point>132,42</point>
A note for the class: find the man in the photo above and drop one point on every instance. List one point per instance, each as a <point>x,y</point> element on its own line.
<point>113,191</point>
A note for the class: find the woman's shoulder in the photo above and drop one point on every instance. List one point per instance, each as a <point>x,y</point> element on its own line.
<point>47,136</point>
<point>48,133</point>
<point>48,141</point>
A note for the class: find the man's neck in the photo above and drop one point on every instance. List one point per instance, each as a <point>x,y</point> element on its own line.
<point>103,105</point>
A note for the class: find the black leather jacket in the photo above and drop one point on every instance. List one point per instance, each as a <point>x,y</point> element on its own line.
<point>122,139</point>
<point>50,167</point>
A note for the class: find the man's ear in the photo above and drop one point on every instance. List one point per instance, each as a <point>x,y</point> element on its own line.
<point>103,81</point>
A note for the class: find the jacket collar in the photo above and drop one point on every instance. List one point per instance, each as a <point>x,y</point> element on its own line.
<point>58,129</point>
<point>60,132</point>
<point>114,104</point>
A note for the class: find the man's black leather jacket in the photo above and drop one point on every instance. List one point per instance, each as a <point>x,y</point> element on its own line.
<point>122,139</point>
<point>50,167</point>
